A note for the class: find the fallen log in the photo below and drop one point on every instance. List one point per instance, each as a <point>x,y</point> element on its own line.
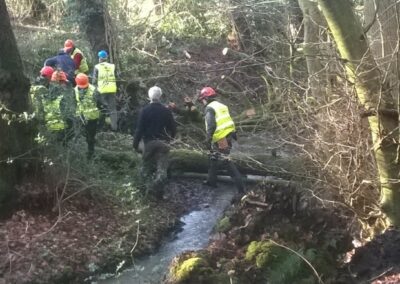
<point>247,178</point>
<point>185,160</point>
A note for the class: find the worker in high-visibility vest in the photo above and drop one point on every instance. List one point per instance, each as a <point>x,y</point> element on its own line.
<point>86,110</point>
<point>106,86</point>
<point>55,107</point>
<point>39,90</point>
<point>77,56</point>
<point>221,131</point>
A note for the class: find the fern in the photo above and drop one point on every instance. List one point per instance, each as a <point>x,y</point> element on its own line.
<point>290,268</point>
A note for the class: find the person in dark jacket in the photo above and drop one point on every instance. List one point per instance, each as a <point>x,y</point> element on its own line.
<point>63,61</point>
<point>156,127</point>
<point>221,131</point>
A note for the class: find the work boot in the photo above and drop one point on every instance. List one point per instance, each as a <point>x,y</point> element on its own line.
<point>207,183</point>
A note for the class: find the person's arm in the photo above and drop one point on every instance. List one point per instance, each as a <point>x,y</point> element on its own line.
<point>139,132</point>
<point>52,62</point>
<point>210,123</point>
<point>171,125</point>
<point>95,76</point>
<point>77,60</point>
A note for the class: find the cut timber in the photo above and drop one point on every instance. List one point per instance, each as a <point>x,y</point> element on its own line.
<point>184,160</point>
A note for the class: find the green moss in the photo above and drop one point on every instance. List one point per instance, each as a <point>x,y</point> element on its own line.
<point>223,225</point>
<point>183,271</point>
<point>262,253</point>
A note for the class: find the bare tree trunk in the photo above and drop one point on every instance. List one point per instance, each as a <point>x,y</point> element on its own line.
<point>363,72</point>
<point>16,137</point>
<point>313,20</point>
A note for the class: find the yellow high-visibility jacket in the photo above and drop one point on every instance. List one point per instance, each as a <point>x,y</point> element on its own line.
<point>224,122</point>
<point>86,104</point>
<point>83,67</point>
<point>106,82</point>
<point>52,114</point>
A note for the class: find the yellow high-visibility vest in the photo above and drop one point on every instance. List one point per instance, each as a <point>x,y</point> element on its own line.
<point>106,78</point>
<point>224,122</point>
<point>52,114</point>
<point>86,104</point>
<point>83,67</point>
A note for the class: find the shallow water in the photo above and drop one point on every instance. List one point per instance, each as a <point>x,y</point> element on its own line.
<point>194,235</point>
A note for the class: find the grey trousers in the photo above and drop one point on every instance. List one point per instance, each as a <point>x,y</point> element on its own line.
<point>109,108</point>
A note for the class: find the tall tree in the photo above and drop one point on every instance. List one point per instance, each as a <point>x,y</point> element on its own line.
<point>16,137</point>
<point>313,21</point>
<point>96,23</point>
<point>363,72</point>
<point>382,19</point>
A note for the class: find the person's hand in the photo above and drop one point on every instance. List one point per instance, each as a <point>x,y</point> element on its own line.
<point>138,150</point>
<point>187,102</point>
<point>171,105</point>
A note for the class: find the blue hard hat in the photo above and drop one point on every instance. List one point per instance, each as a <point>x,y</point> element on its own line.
<point>102,54</point>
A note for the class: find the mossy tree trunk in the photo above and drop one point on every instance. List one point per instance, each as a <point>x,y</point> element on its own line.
<point>363,72</point>
<point>16,137</point>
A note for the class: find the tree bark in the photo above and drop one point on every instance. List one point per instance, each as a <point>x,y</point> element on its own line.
<point>16,137</point>
<point>95,22</point>
<point>313,20</point>
<point>382,19</point>
<point>363,72</point>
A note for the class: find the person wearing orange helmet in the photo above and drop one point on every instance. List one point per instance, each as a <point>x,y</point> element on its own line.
<point>220,130</point>
<point>87,112</point>
<point>39,90</point>
<point>60,107</point>
<point>77,56</point>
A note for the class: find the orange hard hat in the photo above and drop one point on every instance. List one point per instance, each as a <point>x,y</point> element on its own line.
<point>206,93</point>
<point>58,76</point>
<point>46,72</point>
<point>68,44</point>
<point>82,80</point>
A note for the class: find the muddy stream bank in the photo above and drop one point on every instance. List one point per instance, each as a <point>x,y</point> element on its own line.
<point>193,235</point>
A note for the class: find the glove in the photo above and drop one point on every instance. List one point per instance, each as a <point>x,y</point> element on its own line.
<point>234,136</point>
<point>188,102</point>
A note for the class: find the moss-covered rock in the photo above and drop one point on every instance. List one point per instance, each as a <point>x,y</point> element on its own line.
<point>262,252</point>
<point>191,265</point>
<point>191,268</point>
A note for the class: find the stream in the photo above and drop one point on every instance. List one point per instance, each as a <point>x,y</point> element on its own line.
<point>194,235</point>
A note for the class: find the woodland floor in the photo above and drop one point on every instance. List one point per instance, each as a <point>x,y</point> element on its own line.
<point>93,234</point>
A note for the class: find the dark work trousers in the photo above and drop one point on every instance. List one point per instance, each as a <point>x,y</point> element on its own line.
<point>90,133</point>
<point>155,165</point>
<point>69,130</point>
<point>220,159</point>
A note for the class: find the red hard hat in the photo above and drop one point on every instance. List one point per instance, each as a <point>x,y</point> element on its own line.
<point>46,72</point>
<point>206,93</point>
<point>59,76</point>
<point>82,80</point>
<point>68,44</point>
